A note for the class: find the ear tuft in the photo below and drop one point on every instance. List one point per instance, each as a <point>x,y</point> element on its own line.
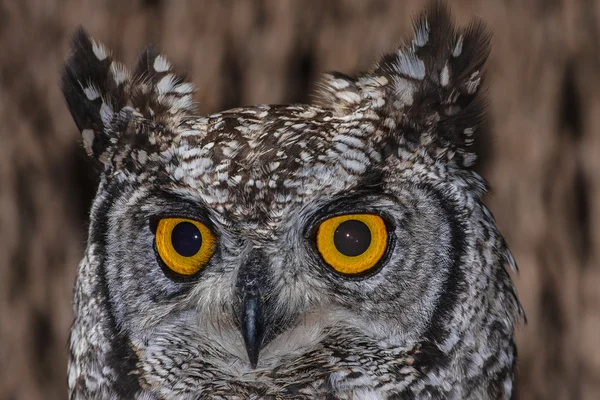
<point>429,90</point>
<point>94,86</point>
<point>158,91</point>
<point>106,101</point>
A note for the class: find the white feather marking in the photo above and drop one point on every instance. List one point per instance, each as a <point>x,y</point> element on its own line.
<point>305,156</point>
<point>421,34</point>
<point>409,65</point>
<point>165,85</point>
<point>142,156</point>
<point>378,102</point>
<point>458,47</point>
<point>227,151</point>
<point>118,72</point>
<point>341,147</point>
<point>356,155</point>
<point>473,83</point>
<point>298,126</point>
<point>161,64</point>
<point>222,176</point>
<point>91,93</point>
<point>445,76</point>
<point>88,137</point>
<point>182,103</point>
<point>350,140</point>
<point>353,165</point>
<point>348,97</point>
<point>199,166</point>
<point>289,183</point>
<point>99,50</point>
<point>184,88</point>
<point>306,114</point>
<point>339,84</point>
<point>106,113</point>
<point>373,81</point>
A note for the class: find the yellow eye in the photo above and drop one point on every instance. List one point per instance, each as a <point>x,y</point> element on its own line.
<point>184,245</point>
<point>352,244</point>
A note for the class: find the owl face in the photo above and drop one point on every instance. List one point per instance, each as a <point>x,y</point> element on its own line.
<point>338,249</point>
<point>265,208</point>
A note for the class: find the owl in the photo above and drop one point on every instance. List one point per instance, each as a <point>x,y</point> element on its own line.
<point>339,250</point>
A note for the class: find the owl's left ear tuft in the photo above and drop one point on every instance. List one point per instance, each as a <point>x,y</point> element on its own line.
<point>428,92</point>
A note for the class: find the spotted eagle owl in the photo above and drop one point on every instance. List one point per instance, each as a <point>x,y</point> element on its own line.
<point>337,251</point>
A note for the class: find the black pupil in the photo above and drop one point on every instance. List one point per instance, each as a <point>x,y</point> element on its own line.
<point>352,238</point>
<point>186,239</point>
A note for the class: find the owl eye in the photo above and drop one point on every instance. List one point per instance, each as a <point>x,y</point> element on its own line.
<point>352,244</point>
<point>184,245</point>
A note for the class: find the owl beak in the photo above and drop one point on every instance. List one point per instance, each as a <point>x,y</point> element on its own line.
<point>253,312</point>
<point>253,326</point>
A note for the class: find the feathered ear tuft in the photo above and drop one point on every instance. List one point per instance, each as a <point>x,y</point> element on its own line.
<point>106,101</point>
<point>94,86</point>
<point>158,92</point>
<point>429,91</point>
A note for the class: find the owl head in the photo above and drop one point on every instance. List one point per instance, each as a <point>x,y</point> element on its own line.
<point>299,251</point>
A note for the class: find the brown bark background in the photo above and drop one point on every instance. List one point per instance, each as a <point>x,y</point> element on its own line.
<point>542,158</point>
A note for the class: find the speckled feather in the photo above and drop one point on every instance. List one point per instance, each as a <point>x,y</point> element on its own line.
<point>435,321</point>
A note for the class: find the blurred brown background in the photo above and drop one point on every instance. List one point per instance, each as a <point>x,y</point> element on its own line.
<point>542,159</point>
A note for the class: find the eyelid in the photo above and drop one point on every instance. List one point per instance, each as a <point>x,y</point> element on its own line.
<point>154,219</point>
<point>313,226</point>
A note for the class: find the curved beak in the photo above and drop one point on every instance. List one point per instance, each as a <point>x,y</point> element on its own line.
<point>258,319</point>
<point>252,283</point>
<point>253,327</point>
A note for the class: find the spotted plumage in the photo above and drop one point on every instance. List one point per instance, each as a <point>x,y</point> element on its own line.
<point>266,317</point>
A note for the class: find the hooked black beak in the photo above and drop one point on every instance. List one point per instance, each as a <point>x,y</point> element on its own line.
<point>252,284</point>
<point>259,321</point>
<point>253,326</point>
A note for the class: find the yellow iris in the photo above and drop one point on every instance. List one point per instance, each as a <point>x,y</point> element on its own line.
<point>353,243</point>
<point>184,245</point>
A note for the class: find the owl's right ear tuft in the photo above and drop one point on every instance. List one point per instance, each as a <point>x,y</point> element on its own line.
<point>94,86</point>
<point>158,92</point>
<point>112,107</point>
